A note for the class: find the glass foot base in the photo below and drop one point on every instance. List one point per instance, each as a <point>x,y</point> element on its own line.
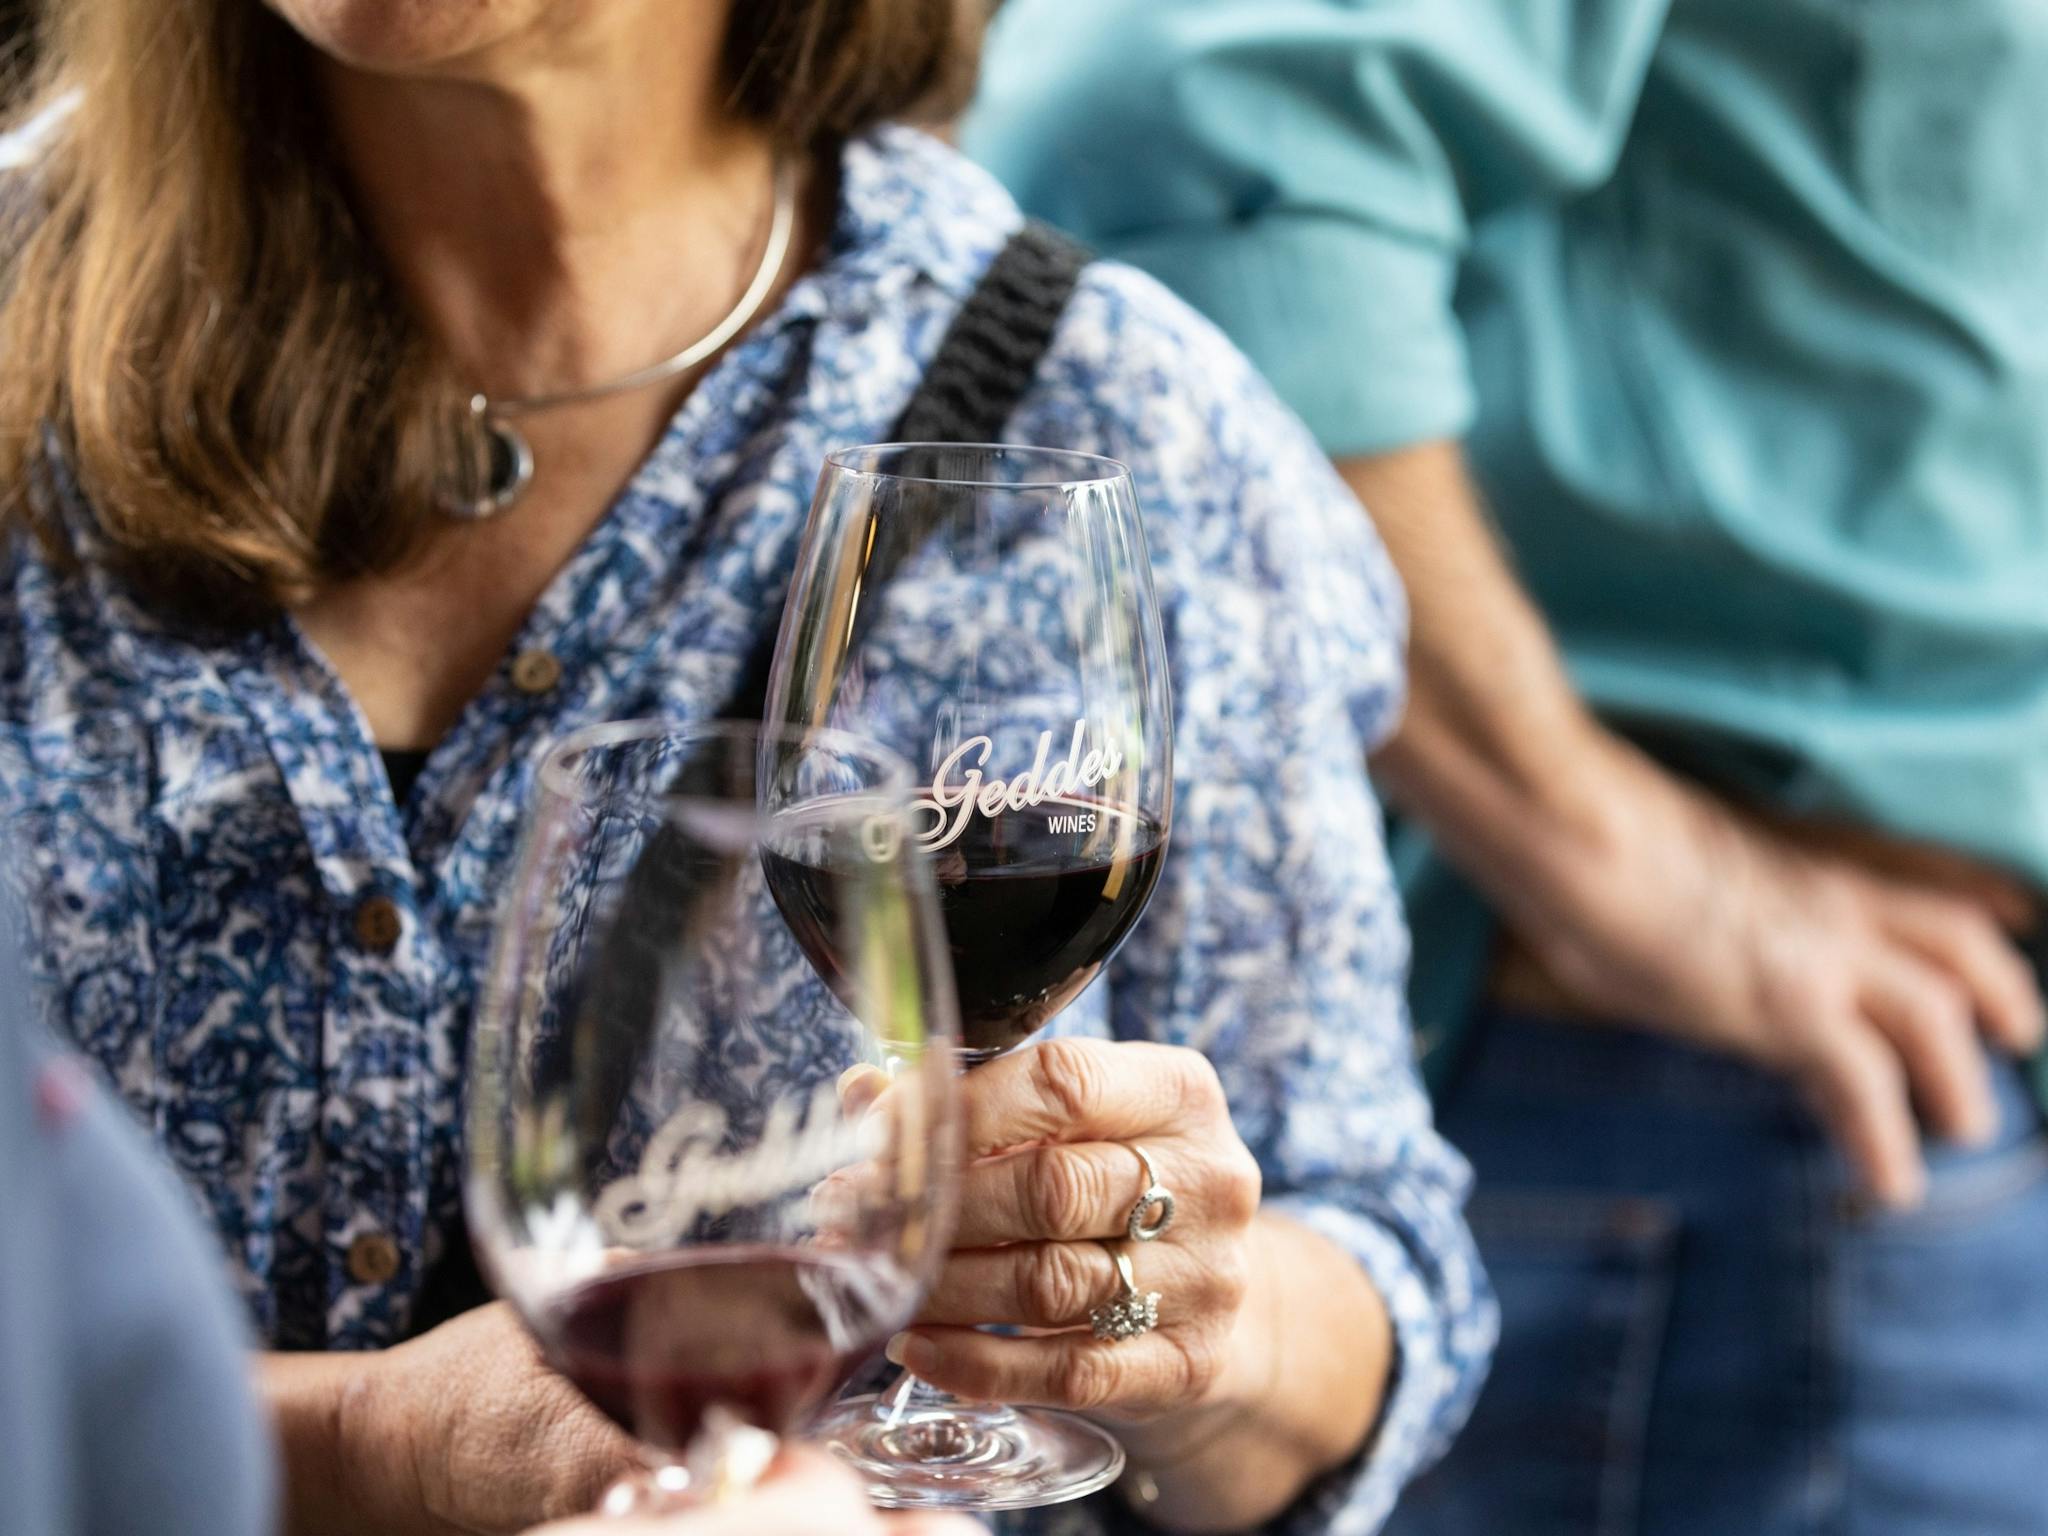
<point>968,1455</point>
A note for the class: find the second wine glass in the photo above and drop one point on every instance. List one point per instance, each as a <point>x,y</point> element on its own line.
<point>988,612</point>
<point>711,1178</point>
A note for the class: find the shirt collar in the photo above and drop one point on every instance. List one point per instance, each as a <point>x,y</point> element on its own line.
<point>912,208</point>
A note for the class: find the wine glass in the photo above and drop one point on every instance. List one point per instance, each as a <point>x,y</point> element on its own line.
<point>711,1181</point>
<point>988,612</point>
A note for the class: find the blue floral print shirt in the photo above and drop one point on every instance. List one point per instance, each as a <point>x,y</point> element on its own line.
<point>276,964</point>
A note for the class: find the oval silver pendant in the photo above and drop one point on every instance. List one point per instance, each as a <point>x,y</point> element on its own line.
<point>508,471</point>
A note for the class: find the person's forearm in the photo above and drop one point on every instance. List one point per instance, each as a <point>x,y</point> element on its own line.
<point>309,1397</point>
<point>1496,755</point>
<point>1313,1355</point>
<point>1870,979</point>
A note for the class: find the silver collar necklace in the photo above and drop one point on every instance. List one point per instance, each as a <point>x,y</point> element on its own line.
<point>508,458</point>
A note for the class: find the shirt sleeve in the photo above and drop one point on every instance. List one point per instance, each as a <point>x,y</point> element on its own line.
<point>1274,941</point>
<point>1308,172</point>
<point>124,1405</point>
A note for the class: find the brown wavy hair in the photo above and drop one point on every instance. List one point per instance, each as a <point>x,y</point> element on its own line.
<point>197,330</point>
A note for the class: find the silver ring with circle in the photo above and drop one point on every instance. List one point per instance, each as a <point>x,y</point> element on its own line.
<point>1142,1225</point>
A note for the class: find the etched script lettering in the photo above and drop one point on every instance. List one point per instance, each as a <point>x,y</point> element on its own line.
<point>683,1176</point>
<point>960,787</point>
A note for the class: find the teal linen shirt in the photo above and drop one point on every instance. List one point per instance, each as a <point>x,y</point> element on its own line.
<point>1740,306</point>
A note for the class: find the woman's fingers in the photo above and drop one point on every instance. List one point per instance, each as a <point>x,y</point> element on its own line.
<point>1137,1378</point>
<point>860,1086</point>
<point>1056,1285</point>
<point>1071,1192</point>
<point>1086,1090</point>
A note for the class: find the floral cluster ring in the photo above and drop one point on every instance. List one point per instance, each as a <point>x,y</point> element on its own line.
<point>1128,1315</point>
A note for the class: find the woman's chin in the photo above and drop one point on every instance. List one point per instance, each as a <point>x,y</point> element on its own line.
<point>407,36</point>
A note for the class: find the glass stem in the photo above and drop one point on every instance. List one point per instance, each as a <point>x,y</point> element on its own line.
<point>934,1410</point>
<point>660,1488</point>
<point>910,1395</point>
<point>726,1459</point>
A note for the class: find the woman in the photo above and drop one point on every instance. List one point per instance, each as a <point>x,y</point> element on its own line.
<point>260,270</point>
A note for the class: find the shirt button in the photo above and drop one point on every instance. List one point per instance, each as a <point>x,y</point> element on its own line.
<point>535,671</point>
<point>378,924</point>
<point>373,1259</point>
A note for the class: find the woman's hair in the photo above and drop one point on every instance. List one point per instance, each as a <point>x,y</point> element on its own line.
<point>199,333</point>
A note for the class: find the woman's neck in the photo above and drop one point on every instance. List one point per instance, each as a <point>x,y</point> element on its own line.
<point>564,208</point>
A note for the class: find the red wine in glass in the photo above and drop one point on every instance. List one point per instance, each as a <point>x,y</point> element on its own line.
<point>1034,902</point>
<point>765,1333</point>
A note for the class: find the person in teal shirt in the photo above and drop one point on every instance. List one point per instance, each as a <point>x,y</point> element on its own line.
<point>1692,356</point>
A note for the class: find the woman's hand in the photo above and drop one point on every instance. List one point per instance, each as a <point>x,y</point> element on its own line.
<point>1048,1188</point>
<point>485,1436</point>
<point>462,1430</point>
<point>805,1493</point>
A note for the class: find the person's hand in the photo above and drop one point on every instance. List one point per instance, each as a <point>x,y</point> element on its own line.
<point>805,1493</point>
<point>1869,971</point>
<point>465,1429</point>
<point>1048,1187</point>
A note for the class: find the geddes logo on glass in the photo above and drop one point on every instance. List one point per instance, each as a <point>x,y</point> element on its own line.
<point>961,787</point>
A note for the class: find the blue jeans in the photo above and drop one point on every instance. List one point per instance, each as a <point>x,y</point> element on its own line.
<point>1706,1332</point>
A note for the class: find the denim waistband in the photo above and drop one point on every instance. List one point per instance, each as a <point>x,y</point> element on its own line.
<point>1515,1052</point>
<point>1521,1055</point>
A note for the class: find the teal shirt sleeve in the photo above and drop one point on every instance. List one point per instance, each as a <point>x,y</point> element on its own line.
<point>1307,172</point>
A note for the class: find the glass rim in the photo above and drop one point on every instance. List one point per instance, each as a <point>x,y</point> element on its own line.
<point>1090,468</point>
<point>898,777</point>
